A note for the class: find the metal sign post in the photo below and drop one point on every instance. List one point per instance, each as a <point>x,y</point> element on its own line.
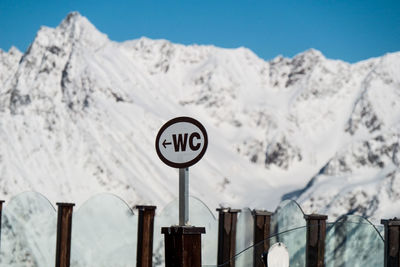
<point>180,143</point>
<point>183,196</point>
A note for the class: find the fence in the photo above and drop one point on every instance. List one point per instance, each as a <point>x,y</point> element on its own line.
<point>105,231</point>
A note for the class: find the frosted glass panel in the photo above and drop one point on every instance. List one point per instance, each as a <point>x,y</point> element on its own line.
<point>28,232</point>
<point>199,216</point>
<point>353,241</point>
<point>288,224</point>
<point>244,237</point>
<point>243,259</point>
<point>104,233</point>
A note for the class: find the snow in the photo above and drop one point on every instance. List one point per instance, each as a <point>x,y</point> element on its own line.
<point>79,114</point>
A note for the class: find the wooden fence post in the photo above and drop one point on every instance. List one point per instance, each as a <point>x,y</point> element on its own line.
<point>144,254</point>
<point>262,225</point>
<point>182,246</point>
<point>315,244</point>
<point>227,220</point>
<point>392,242</point>
<point>64,230</point>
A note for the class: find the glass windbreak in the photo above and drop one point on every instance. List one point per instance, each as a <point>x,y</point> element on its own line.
<point>288,226</point>
<point>353,241</point>
<point>28,232</point>
<point>244,236</point>
<point>199,216</point>
<point>104,233</point>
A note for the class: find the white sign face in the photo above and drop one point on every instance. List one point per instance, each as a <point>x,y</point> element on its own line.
<point>278,255</point>
<point>181,142</point>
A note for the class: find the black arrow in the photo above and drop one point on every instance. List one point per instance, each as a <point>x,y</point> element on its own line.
<point>165,143</point>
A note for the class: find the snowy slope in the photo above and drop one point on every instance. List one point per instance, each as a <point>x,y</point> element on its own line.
<point>79,115</point>
<point>8,63</point>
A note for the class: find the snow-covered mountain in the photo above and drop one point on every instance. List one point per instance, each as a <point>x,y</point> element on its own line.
<point>79,114</point>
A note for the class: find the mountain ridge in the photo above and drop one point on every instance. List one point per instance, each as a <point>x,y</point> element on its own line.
<point>86,110</point>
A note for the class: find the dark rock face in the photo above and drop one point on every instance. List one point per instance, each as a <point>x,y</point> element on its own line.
<point>281,154</point>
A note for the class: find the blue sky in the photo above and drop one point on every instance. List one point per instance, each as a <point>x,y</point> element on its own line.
<point>347,30</point>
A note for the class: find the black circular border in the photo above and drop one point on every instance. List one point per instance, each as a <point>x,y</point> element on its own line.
<point>193,161</point>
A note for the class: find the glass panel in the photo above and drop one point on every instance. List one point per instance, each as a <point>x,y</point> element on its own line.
<point>353,241</point>
<point>28,232</point>
<point>104,233</point>
<point>289,217</point>
<point>244,236</point>
<point>199,216</point>
<point>381,229</point>
<point>244,258</point>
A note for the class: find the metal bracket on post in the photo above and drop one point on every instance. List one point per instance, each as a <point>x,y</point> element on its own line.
<point>262,225</point>
<point>144,254</point>
<point>227,235</point>
<point>64,230</point>
<point>392,242</point>
<point>183,196</point>
<point>315,244</point>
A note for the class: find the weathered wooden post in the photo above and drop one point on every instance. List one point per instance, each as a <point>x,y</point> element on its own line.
<point>182,246</point>
<point>262,225</point>
<point>227,220</point>
<point>144,255</point>
<point>315,244</point>
<point>64,230</point>
<point>392,242</point>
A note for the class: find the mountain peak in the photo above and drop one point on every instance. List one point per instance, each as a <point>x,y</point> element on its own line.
<point>73,18</point>
<point>74,30</point>
<point>79,27</point>
<point>14,51</point>
<point>311,53</point>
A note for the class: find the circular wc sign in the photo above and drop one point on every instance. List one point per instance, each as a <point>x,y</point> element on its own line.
<point>181,142</point>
